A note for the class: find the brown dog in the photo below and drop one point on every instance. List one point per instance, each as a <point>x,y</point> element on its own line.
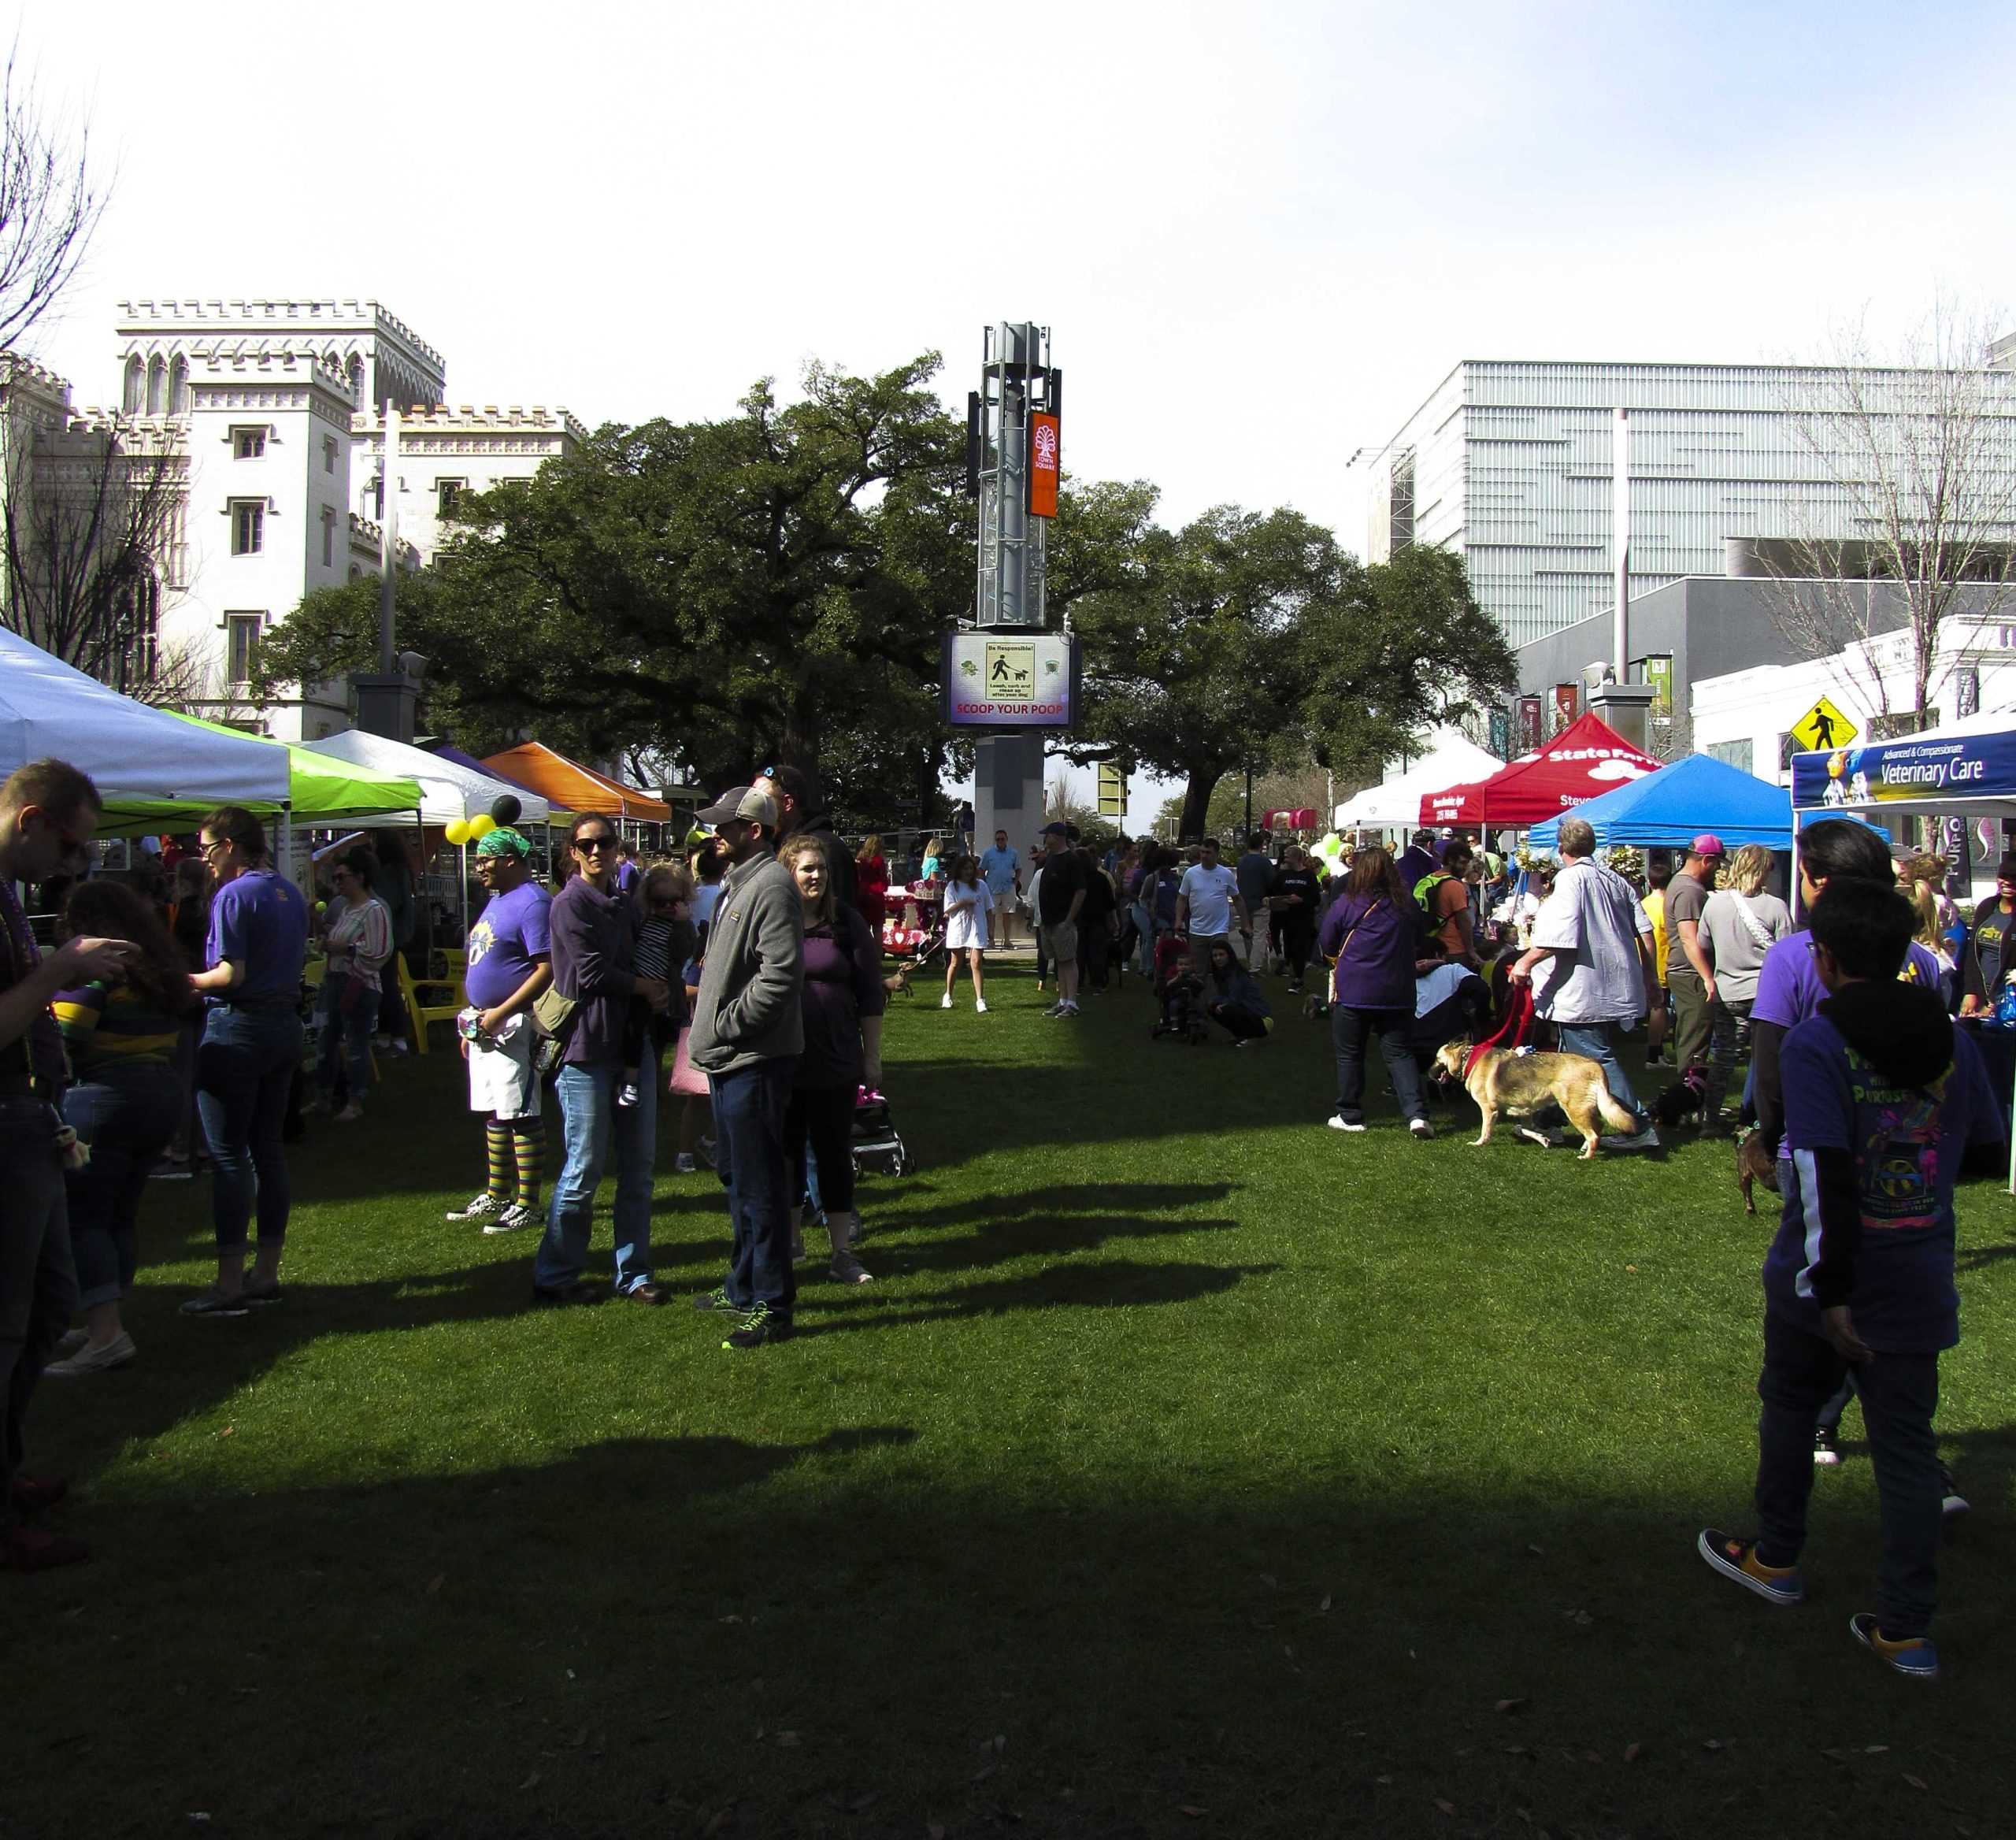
<point>1520,1084</point>
<point>1753,1163</point>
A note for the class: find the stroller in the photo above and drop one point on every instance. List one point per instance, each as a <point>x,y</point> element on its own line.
<point>876,1143</point>
<point>1180,994</point>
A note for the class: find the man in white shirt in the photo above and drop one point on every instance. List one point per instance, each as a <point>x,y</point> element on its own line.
<point>1590,965</point>
<point>1206,900</point>
<point>1001,869</point>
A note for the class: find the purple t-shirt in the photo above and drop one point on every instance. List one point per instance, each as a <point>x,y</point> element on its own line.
<point>842,984</point>
<point>1789,989</point>
<point>259,922</point>
<point>1907,1144</point>
<point>510,941</point>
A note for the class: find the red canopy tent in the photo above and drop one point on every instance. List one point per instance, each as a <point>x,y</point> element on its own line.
<point>1587,758</point>
<point>1302,817</point>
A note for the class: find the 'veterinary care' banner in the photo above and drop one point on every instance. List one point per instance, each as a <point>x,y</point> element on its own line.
<point>1957,767</point>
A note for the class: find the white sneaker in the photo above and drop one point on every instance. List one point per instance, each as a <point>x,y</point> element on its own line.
<point>1647,1139</point>
<point>481,1209</point>
<point>682,1164</point>
<point>946,1002</point>
<point>1337,1124</point>
<point>87,1359</point>
<point>980,1005</point>
<point>350,1114</point>
<point>849,1270</point>
<point>511,1219</point>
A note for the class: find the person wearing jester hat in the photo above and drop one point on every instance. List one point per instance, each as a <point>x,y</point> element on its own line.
<point>509,965</point>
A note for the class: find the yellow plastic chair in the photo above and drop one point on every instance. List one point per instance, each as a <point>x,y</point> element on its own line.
<point>444,1002</point>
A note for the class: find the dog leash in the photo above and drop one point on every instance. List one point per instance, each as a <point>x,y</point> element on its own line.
<point>1511,1033</point>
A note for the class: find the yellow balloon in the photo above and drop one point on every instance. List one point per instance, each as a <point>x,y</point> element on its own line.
<point>482,825</point>
<point>457,831</point>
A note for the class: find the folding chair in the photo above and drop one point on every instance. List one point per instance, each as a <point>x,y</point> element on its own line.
<point>444,1001</point>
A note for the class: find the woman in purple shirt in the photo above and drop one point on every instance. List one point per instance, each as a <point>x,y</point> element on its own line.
<point>251,1052</point>
<point>843,1002</point>
<point>1369,934</point>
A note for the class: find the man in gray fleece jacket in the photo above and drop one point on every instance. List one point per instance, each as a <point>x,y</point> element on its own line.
<point>748,1029</point>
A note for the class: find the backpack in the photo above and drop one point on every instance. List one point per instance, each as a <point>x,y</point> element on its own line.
<point>1164,906</point>
<point>1427,927</point>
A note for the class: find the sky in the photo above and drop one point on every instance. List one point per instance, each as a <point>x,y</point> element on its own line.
<point>1260,234</point>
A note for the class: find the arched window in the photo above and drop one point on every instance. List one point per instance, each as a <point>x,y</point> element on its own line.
<point>136,384</point>
<point>178,387</point>
<point>356,379</point>
<point>157,385</point>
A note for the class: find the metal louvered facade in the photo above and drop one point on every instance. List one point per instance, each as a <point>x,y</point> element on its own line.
<point>1509,463</point>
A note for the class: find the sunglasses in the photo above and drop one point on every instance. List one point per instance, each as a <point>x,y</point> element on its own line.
<point>206,851</point>
<point>588,846</point>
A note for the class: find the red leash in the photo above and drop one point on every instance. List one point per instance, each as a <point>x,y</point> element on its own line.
<point>1511,1033</point>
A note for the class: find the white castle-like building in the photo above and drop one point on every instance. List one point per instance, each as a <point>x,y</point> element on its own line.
<point>255,429</point>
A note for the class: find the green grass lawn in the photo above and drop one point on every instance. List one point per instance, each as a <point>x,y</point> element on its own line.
<point>1189,1468</point>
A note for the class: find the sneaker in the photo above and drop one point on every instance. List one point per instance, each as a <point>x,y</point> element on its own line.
<point>258,1294</point>
<point>350,1114</point>
<point>1339,1123</point>
<point>1067,1009</point>
<point>37,1549</point>
<point>718,1299</point>
<point>1826,1446</point>
<point>511,1219</point>
<point>760,1326</point>
<point>315,1105</point>
<point>115,1353</point>
<point>1912,1655</point>
<point>481,1209</point>
<point>214,1303</point>
<point>682,1164</point>
<point>980,1005</point>
<point>1951,1502</point>
<point>1294,990</point>
<point>398,1050</point>
<point>1420,1128</point>
<point>1737,1559</point>
<point>173,1172</point>
<point>626,1094</point>
<point>848,1270</point>
<point>72,1342</point>
<point>945,1002</point>
<point>1647,1139</point>
<point>1056,1009</point>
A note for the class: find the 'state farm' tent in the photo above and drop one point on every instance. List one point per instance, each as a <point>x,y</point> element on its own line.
<point>1587,758</point>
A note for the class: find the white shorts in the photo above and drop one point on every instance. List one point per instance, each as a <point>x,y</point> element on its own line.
<point>501,1078</point>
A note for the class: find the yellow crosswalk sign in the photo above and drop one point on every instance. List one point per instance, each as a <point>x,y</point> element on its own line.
<point>1822,726</point>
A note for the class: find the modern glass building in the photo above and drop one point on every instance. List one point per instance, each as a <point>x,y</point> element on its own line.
<point>1509,462</point>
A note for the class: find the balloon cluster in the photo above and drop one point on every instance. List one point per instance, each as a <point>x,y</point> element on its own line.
<point>460,831</point>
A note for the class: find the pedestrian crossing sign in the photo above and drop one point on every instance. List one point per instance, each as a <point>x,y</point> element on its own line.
<point>1822,726</point>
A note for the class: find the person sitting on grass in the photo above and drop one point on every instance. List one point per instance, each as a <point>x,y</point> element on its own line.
<point>1233,999</point>
<point>1882,1097</point>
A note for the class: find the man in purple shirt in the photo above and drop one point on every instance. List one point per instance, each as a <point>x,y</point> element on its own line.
<point>48,812</point>
<point>593,936</point>
<point>509,967</point>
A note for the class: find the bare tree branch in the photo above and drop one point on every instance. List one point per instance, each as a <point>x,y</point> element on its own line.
<point>49,203</point>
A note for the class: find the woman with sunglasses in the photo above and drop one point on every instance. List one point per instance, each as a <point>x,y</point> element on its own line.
<point>594,935</point>
<point>358,937</point>
<point>250,1049</point>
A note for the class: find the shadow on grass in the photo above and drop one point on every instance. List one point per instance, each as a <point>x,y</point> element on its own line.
<point>842,1636</point>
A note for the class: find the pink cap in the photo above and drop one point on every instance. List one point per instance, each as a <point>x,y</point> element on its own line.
<point>1707,845</point>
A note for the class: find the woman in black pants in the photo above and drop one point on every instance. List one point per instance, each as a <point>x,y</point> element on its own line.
<point>844,1002</point>
<point>1295,901</point>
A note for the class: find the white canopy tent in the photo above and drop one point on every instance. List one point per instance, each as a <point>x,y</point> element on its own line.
<point>149,767</point>
<point>1452,759</point>
<point>448,789</point>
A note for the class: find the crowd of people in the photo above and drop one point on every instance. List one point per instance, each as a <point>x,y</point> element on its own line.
<point>750,982</point>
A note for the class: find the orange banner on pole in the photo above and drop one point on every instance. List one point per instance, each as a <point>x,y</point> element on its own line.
<point>1046,448</point>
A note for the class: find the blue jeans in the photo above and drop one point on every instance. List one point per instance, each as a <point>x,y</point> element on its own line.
<point>247,1061</point>
<point>590,1119</point>
<point>1596,1041</point>
<point>1350,1030</point>
<point>38,1283</point>
<point>128,1119</point>
<point>345,1034</point>
<point>751,1152</point>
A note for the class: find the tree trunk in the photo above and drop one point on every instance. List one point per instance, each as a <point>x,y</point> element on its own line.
<point>1202,780</point>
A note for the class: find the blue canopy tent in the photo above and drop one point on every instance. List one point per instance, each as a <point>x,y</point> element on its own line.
<point>1668,809</point>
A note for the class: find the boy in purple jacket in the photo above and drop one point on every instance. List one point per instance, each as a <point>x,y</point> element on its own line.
<point>1882,1097</point>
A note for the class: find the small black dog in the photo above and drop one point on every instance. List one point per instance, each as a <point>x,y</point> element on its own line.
<point>1686,1098</point>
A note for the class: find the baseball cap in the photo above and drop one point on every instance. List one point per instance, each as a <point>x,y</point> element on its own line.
<point>742,802</point>
<point>1707,845</point>
<point>1057,829</point>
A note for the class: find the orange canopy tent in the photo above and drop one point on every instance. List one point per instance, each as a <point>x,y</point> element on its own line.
<point>567,786</point>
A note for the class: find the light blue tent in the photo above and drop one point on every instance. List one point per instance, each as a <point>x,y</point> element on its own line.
<point>1669,809</point>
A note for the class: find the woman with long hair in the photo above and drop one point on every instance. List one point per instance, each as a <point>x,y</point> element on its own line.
<point>843,1003</point>
<point>250,1051</point>
<point>871,883</point>
<point>126,1100</point>
<point>1742,923</point>
<point>968,905</point>
<point>1369,935</point>
<point>358,937</point>
<point>934,859</point>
